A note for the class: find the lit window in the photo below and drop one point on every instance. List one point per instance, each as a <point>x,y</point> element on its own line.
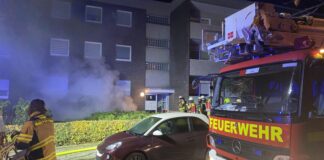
<point>123,53</point>
<point>124,86</point>
<point>59,47</point>
<point>4,89</point>
<point>61,9</point>
<point>124,18</point>
<point>93,14</point>
<point>92,50</point>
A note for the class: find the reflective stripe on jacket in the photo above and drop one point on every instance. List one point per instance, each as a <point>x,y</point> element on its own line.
<point>37,136</point>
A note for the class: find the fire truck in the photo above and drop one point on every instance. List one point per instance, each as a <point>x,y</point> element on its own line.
<point>268,102</point>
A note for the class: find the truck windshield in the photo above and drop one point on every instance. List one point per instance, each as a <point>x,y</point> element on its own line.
<point>273,89</point>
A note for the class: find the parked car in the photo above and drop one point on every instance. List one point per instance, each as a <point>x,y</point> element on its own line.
<point>166,136</point>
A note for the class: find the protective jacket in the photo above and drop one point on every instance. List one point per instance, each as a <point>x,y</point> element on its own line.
<point>192,107</point>
<point>37,137</point>
<point>182,106</point>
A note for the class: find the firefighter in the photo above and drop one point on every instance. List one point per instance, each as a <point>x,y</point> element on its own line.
<point>37,134</point>
<point>203,109</point>
<point>208,105</point>
<point>182,104</point>
<point>198,108</point>
<point>191,105</point>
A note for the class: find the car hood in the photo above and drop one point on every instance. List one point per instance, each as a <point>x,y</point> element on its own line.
<point>118,137</point>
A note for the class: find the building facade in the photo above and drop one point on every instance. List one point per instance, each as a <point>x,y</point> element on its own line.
<point>137,46</point>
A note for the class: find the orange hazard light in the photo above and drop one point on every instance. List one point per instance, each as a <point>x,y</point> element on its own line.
<point>319,54</point>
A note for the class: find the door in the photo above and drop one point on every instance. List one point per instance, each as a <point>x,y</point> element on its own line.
<point>162,103</point>
<point>199,130</point>
<point>175,143</point>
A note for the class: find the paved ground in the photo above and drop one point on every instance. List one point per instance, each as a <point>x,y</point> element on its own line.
<point>88,155</point>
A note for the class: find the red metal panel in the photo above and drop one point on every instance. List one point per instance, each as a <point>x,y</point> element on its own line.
<point>290,56</point>
<point>277,135</point>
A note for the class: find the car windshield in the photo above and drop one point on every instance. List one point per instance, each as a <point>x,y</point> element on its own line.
<point>143,126</point>
<point>271,89</point>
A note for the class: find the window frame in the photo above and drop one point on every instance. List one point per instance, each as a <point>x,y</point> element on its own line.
<point>96,7</point>
<point>131,18</point>
<point>130,53</point>
<point>92,42</point>
<point>60,39</point>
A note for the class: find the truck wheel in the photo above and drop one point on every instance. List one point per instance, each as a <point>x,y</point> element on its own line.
<point>136,156</point>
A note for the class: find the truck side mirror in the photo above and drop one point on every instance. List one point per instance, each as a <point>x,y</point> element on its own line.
<point>157,133</point>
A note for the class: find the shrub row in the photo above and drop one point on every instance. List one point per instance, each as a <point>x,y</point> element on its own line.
<point>79,132</point>
<point>118,115</point>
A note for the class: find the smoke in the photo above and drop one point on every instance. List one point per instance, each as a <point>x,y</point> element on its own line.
<point>72,88</point>
<point>91,89</point>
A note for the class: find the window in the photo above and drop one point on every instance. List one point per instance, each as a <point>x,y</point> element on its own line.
<point>150,97</point>
<point>92,50</point>
<point>124,86</point>
<point>205,21</point>
<point>157,20</point>
<point>123,53</point>
<point>59,47</point>
<point>157,66</point>
<point>4,89</point>
<point>61,9</point>
<point>93,14</point>
<point>174,126</point>
<point>124,18</point>
<point>159,43</point>
<point>199,125</point>
<point>318,89</point>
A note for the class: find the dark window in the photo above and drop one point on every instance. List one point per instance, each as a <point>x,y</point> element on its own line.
<point>318,89</point>
<point>123,53</point>
<point>174,126</point>
<point>93,14</point>
<point>159,43</point>
<point>157,66</point>
<point>198,125</point>
<point>124,18</point>
<point>157,20</point>
<point>150,97</point>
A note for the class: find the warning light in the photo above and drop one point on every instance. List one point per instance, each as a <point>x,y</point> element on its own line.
<point>319,54</point>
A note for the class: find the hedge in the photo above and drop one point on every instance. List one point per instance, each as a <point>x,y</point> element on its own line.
<point>79,132</point>
<point>118,115</point>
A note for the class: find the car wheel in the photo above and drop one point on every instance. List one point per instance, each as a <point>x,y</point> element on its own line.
<point>136,156</point>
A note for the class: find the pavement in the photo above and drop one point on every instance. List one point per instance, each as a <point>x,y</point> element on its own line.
<point>87,155</point>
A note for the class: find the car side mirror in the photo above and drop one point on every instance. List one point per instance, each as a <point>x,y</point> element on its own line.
<point>157,133</point>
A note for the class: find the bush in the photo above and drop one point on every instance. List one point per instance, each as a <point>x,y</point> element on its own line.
<point>118,115</point>
<point>78,132</point>
<point>21,111</point>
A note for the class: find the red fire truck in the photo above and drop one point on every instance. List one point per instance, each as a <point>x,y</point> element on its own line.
<point>269,101</point>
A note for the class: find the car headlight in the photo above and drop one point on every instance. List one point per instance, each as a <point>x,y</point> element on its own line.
<point>99,154</point>
<point>113,146</point>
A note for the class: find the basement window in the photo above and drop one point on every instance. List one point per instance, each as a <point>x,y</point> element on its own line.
<point>124,86</point>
